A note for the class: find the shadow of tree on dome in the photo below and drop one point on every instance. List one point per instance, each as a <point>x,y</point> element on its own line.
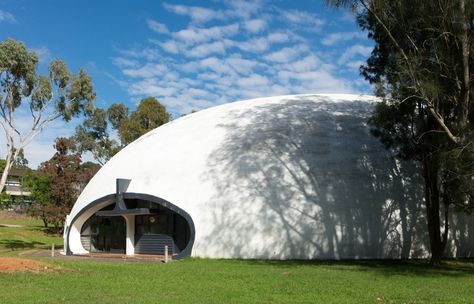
<point>304,179</point>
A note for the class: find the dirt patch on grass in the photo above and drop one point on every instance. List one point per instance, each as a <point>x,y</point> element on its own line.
<point>9,264</point>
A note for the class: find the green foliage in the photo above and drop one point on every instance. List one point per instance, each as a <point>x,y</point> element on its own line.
<point>5,201</point>
<point>3,163</point>
<point>149,115</point>
<point>59,73</point>
<point>117,113</point>
<point>57,183</point>
<point>20,64</point>
<point>130,130</point>
<point>42,94</point>
<point>71,94</point>
<point>421,68</point>
<point>81,95</point>
<point>93,134</point>
<point>431,36</point>
<point>39,184</point>
<point>58,95</point>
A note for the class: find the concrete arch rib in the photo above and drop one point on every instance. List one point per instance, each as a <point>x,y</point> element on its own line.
<point>85,213</point>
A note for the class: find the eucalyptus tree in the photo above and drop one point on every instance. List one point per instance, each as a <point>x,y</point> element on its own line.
<point>149,114</point>
<point>44,98</point>
<point>94,134</point>
<point>422,68</point>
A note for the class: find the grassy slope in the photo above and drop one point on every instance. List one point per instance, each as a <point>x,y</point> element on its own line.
<point>14,240</point>
<point>231,281</point>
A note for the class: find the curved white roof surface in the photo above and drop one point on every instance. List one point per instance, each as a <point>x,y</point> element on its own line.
<point>281,177</point>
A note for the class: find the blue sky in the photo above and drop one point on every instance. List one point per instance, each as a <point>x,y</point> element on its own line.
<point>191,54</point>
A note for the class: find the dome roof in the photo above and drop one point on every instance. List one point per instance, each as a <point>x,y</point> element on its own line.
<point>281,177</point>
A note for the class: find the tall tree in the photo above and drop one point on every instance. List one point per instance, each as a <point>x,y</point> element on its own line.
<point>57,183</point>
<point>93,135</point>
<point>149,115</point>
<point>58,95</point>
<point>421,67</point>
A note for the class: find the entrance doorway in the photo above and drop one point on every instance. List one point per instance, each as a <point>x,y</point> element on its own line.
<point>104,234</point>
<point>144,225</point>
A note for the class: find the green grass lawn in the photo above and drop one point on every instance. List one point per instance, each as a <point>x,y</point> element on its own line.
<point>236,281</point>
<point>15,240</point>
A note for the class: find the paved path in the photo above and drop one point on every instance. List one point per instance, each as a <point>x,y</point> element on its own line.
<point>111,258</point>
<point>11,225</point>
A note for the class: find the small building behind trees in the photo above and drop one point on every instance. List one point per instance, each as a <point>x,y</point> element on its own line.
<point>17,197</point>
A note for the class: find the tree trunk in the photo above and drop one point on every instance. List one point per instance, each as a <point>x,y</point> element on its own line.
<point>432,201</point>
<point>464,102</point>
<point>8,164</point>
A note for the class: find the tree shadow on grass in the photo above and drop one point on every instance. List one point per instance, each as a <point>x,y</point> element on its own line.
<point>412,268</point>
<point>19,244</point>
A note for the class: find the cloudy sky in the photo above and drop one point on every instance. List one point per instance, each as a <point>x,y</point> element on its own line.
<point>191,55</point>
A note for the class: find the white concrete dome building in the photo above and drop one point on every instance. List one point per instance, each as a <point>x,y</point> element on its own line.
<point>288,177</point>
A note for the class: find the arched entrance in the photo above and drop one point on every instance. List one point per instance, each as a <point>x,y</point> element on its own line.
<point>145,225</point>
<point>152,232</point>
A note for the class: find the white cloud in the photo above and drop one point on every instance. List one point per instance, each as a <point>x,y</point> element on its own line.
<point>278,37</point>
<point>186,102</point>
<point>353,51</point>
<point>40,149</point>
<point>205,49</point>
<point>146,71</point>
<point>44,55</point>
<point>348,16</point>
<point>217,65</point>
<point>286,54</point>
<point>305,64</point>
<point>242,51</point>
<point>355,64</point>
<point>145,53</point>
<point>196,13</point>
<point>7,17</point>
<point>171,76</point>
<point>157,27</point>
<point>245,8</point>
<point>255,45</point>
<point>255,25</point>
<point>125,63</point>
<point>150,87</point>
<point>171,46</point>
<point>241,65</point>
<point>314,81</point>
<point>302,18</point>
<point>253,81</point>
<point>196,35</point>
<point>199,93</point>
<point>232,65</point>
<point>338,37</point>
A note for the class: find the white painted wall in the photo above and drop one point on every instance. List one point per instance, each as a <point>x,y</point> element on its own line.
<point>281,177</point>
<point>130,237</point>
